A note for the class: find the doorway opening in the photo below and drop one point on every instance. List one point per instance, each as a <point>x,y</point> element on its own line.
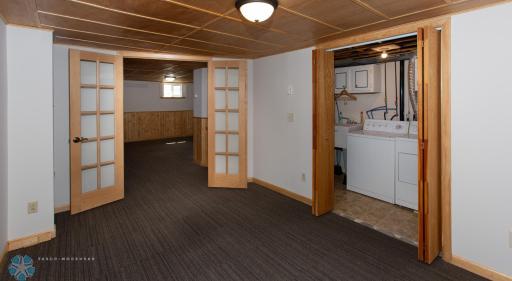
<point>376,105</point>
<point>371,163</point>
<point>137,97</point>
<point>162,99</point>
<point>116,100</point>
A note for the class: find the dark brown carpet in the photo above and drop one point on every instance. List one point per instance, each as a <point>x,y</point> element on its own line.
<point>171,226</point>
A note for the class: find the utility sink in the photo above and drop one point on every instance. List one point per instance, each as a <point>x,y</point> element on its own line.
<point>341,132</point>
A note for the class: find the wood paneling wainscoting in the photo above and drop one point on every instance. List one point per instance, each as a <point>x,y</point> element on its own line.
<point>154,125</point>
<point>201,141</point>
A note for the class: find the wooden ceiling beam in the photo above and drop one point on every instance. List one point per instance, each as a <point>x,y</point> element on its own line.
<point>368,48</point>
<point>375,54</point>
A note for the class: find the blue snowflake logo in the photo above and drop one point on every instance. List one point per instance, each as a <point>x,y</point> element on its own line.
<point>21,267</point>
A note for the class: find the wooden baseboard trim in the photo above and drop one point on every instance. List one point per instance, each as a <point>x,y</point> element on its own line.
<point>31,240</point>
<point>62,209</point>
<point>281,190</point>
<point>201,164</point>
<point>3,258</point>
<point>479,269</point>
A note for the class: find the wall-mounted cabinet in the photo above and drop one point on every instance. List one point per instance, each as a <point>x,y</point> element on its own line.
<point>359,79</point>
<point>342,78</point>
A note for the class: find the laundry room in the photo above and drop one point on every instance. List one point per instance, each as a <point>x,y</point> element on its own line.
<point>376,135</point>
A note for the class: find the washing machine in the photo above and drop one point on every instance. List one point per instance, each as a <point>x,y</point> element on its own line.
<point>371,155</point>
<point>406,169</point>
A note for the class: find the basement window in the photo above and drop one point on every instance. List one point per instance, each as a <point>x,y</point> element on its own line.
<point>172,91</point>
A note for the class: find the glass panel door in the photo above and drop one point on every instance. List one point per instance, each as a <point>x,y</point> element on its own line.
<point>97,103</point>
<point>226,125</point>
<point>96,147</point>
<point>227,128</point>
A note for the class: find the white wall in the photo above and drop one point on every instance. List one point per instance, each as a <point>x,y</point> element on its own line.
<point>364,102</point>
<point>30,130</point>
<point>61,125</point>
<point>3,136</point>
<point>283,150</point>
<point>142,96</point>
<point>481,137</point>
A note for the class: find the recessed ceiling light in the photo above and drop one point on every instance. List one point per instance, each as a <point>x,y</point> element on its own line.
<point>169,78</point>
<point>256,10</point>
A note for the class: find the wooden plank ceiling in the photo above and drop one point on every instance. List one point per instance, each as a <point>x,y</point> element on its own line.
<point>155,70</point>
<point>215,27</point>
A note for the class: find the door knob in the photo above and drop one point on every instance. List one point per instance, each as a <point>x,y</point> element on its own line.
<point>79,139</point>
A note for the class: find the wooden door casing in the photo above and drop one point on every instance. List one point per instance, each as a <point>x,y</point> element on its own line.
<point>323,132</point>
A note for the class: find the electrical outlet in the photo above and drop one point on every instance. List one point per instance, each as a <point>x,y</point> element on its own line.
<point>291,117</point>
<point>32,207</point>
<point>303,177</point>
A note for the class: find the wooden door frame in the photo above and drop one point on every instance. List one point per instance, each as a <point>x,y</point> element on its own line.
<point>210,61</point>
<point>445,24</point>
<point>323,132</point>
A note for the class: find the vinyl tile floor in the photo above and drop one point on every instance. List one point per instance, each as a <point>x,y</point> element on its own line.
<point>393,220</point>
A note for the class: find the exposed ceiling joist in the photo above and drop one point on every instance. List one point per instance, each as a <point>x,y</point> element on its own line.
<point>156,70</point>
<point>399,48</point>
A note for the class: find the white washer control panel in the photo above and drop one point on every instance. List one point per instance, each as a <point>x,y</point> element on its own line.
<point>395,127</point>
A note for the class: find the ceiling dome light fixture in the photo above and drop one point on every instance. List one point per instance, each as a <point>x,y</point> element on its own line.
<point>169,78</point>
<point>384,55</point>
<point>256,10</point>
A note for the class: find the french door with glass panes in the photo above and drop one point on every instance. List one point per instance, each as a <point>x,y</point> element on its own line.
<point>96,129</point>
<point>227,124</point>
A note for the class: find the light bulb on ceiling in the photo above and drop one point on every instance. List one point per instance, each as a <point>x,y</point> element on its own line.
<point>256,10</point>
<point>384,55</point>
<point>169,78</point>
